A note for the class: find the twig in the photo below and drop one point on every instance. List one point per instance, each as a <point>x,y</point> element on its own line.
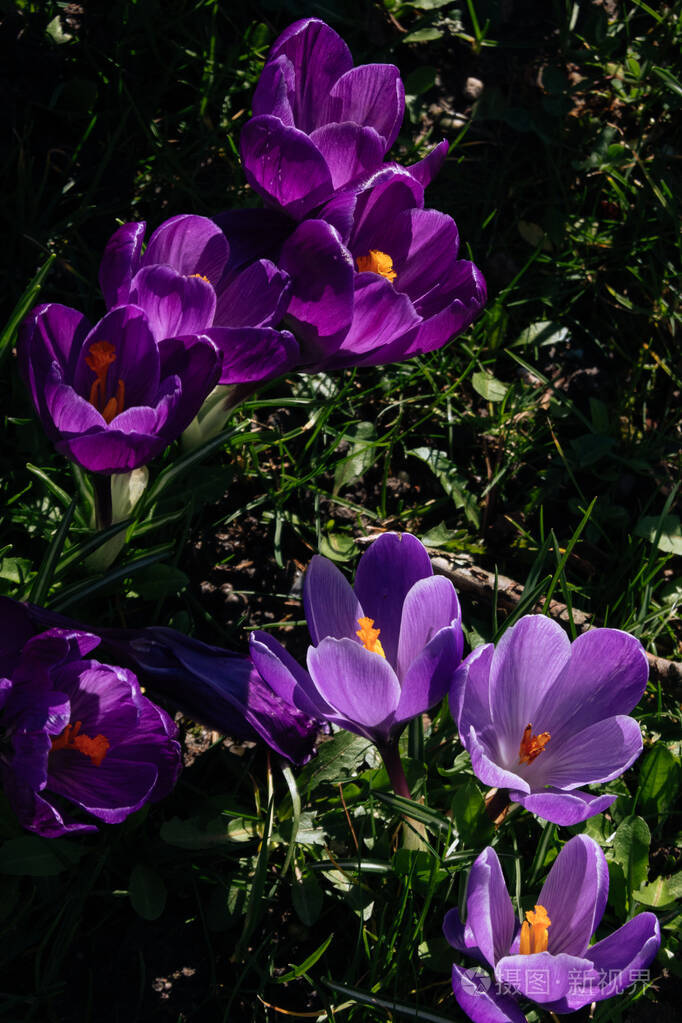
<point>480,584</point>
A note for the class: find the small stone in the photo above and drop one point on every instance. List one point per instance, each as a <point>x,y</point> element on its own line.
<point>473,87</point>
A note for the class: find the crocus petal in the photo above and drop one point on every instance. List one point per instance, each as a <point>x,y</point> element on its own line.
<point>331,607</point>
<point>120,262</point>
<point>597,754</point>
<point>458,934</point>
<point>174,303</point>
<point>110,791</point>
<point>468,289</point>
<point>318,56</point>
<point>429,241</point>
<point>606,676</point>
<point>378,213</point>
<point>68,412</point>
<point>284,166</point>
<point>153,741</point>
<point>541,976</point>
<point>322,276</point>
<point>50,334</point>
<point>275,89</point>
<point>526,661</point>
<point>196,361</point>
<point>477,997</point>
<point>624,953</point>
<point>191,245</point>
<point>430,605</point>
<point>255,297</point>
<point>484,762</point>
<point>490,913</point>
<point>383,327</point>
<point>252,354</point>
<point>426,169</point>
<point>371,95</point>
<point>469,702</point>
<point>285,676</point>
<point>253,234</point>
<point>110,451</point>
<point>574,895</point>
<point>430,674</point>
<point>386,573</point>
<point>360,685</point>
<point>351,151</point>
<point>136,356</point>
<point>564,808</point>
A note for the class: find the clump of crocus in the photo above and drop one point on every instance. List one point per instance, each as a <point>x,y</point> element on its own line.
<point>549,959</point>
<point>216,687</point>
<point>376,278</point>
<point>76,732</point>
<point>542,717</point>
<point>384,650</point>
<point>110,396</point>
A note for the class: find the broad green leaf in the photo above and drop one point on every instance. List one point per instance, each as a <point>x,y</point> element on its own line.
<point>659,780</point>
<point>307,898</point>
<point>489,387</point>
<point>452,482</point>
<point>663,530</point>
<point>147,892</point>
<point>160,581</point>
<point>361,455</point>
<point>38,857</point>
<point>336,759</point>
<point>468,812</point>
<point>191,834</point>
<point>423,35</point>
<point>337,546</point>
<point>631,850</point>
<point>420,80</point>
<point>661,892</point>
<point>544,332</point>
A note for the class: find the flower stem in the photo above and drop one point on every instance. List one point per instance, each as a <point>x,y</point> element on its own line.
<point>393,764</point>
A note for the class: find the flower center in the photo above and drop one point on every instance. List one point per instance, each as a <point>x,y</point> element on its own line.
<point>201,277</point>
<point>532,745</point>
<point>100,356</point>
<point>72,738</point>
<point>369,637</point>
<point>377,262</point>
<point>534,936</point>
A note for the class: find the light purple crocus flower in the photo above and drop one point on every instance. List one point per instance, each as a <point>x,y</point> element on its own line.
<point>76,732</point>
<point>383,651</point>
<point>110,397</point>
<point>549,960</point>
<point>320,124</point>
<point>216,687</point>
<point>376,279</point>
<point>188,281</point>
<point>542,716</point>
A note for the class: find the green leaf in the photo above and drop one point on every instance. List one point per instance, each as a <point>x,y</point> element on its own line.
<point>468,811</point>
<point>147,892</point>
<point>665,531</point>
<point>307,898</point>
<point>544,332</point>
<point>24,304</point>
<point>661,892</point>
<point>420,80</point>
<point>336,759</point>
<point>489,387</point>
<point>423,35</point>
<point>361,455</point>
<point>160,581</point>
<point>659,782</point>
<point>298,971</point>
<point>452,482</point>
<point>194,833</point>
<point>337,546</point>
<point>631,850</point>
<point>38,857</point>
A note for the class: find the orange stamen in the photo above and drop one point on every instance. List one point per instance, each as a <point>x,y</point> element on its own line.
<point>534,936</point>
<point>377,262</point>
<point>201,277</point>
<point>369,637</point>
<point>71,738</point>
<point>532,745</point>
<point>100,356</point>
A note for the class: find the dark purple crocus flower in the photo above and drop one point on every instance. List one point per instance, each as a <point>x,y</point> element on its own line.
<point>542,716</point>
<point>376,278</point>
<point>216,687</point>
<point>76,731</point>
<point>319,123</point>
<point>383,651</point>
<point>187,282</point>
<point>549,959</point>
<point>110,397</point>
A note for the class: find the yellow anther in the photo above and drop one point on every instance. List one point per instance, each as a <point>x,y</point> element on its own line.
<point>532,745</point>
<point>377,262</point>
<point>369,637</point>
<point>534,936</point>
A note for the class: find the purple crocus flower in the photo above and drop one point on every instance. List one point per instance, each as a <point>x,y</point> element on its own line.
<point>542,716</point>
<point>319,123</point>
<point>77,732</point>
<point>383,651</point>
<point>376,278</point>
<point>110,397</point>
<point>187,282</point>
<point>549,960</point>
<point>217,687</point>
